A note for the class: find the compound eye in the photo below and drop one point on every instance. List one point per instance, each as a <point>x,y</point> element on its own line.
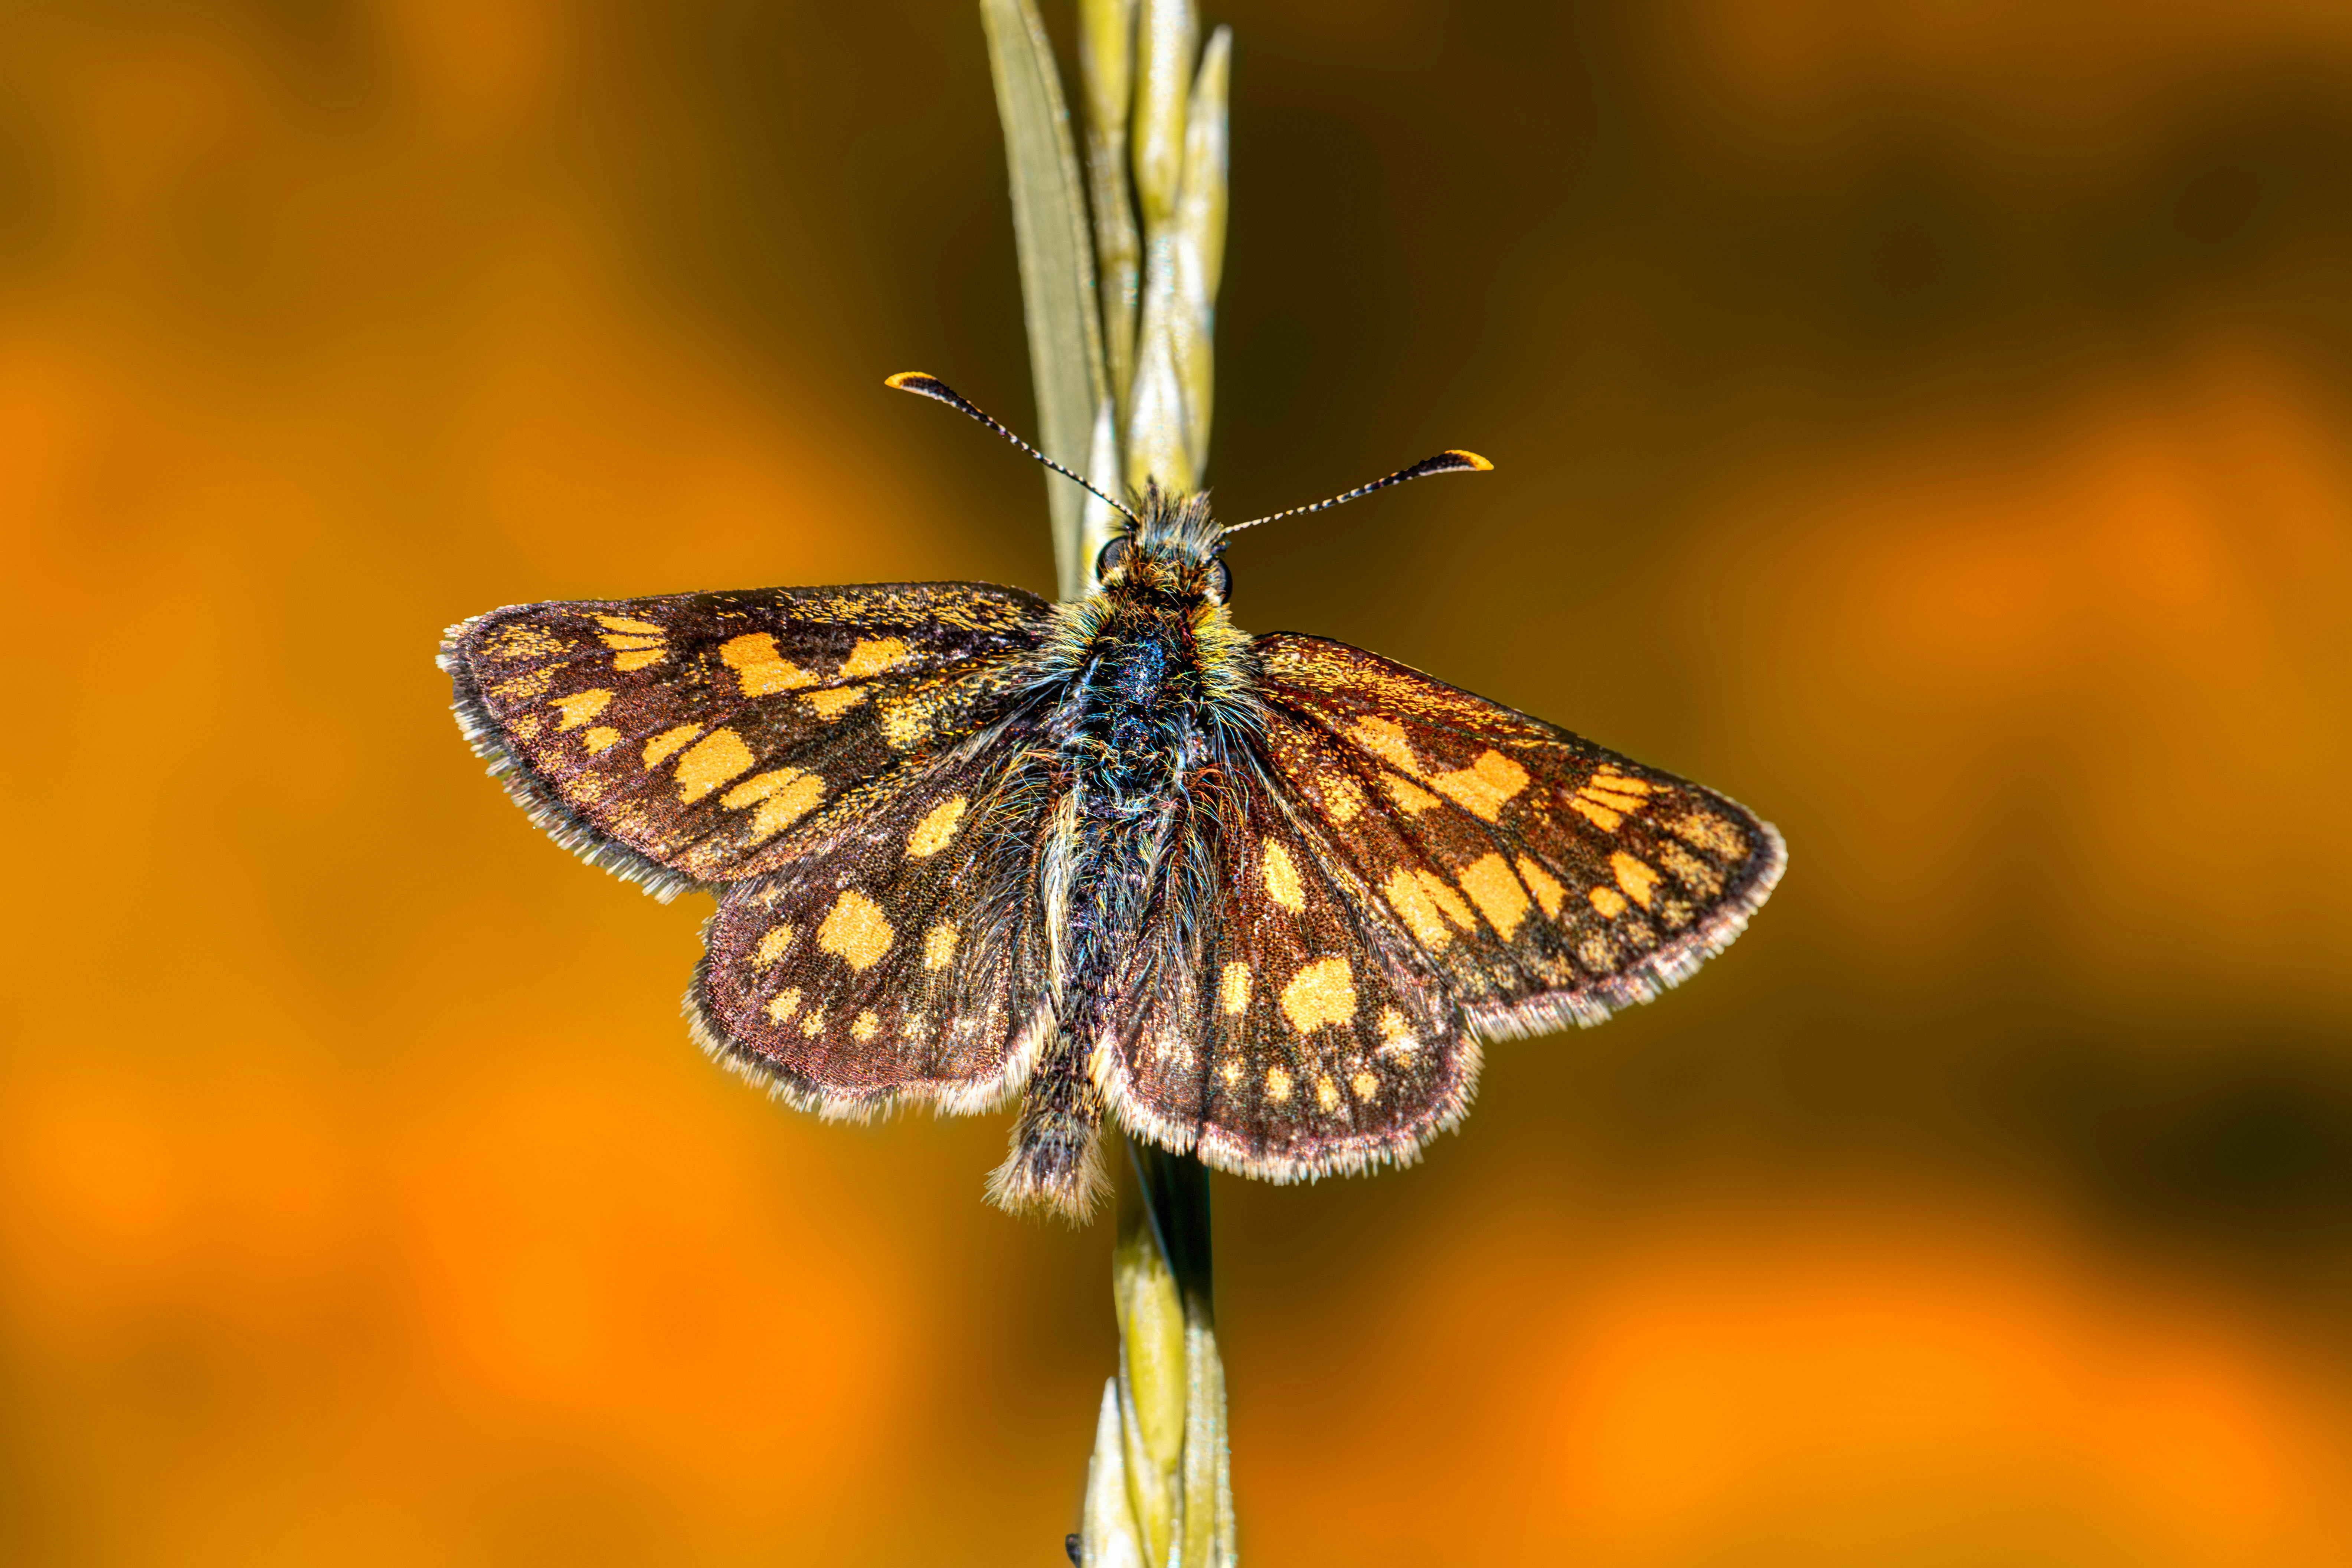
<point>1112,555</point>
<point>1221,581</point>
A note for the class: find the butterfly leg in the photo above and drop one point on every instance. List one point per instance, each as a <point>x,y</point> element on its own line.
<point>1056,1165</point>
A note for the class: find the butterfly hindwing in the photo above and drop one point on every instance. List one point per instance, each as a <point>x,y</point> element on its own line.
<point>899,956</point>
<point>1545,880</point>
<point>682,739</point>
<point>1311,1037</point>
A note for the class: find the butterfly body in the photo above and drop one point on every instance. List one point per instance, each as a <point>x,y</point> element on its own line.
<point>1254,897</point>
<point>1149,686</point>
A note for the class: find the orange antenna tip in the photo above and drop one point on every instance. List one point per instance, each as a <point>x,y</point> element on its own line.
<point>904,380</point>
<point>1451,461</point>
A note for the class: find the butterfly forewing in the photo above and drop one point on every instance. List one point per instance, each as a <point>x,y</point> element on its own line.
<point>1544,879</point>
<point>685,739</point>
<point>899,956</point>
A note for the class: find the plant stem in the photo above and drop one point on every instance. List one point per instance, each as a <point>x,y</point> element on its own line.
<point>1120,340</point>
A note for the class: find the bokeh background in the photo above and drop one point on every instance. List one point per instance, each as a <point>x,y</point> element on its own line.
<point>1930,422</point>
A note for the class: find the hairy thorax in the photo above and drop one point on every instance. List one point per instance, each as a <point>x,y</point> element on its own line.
<point>1128,736</point>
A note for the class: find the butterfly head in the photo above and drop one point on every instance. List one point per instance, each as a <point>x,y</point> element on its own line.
<point>1170,555</point>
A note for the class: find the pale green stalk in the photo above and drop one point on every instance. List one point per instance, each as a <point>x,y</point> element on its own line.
<point>1119,344</point>
<point>1057,264</point>
<point>1107,64</point>
<point>1172,339</point>
<point>1197,234</point>
<point>1172,1451</point>
<point>1153,1384</point>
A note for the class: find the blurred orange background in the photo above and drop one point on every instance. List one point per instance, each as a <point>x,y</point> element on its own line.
<point>1929,422</point>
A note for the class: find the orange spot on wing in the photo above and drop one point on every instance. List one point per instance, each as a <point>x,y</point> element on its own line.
<point>1600,817</point>
<point>1636,878</point>
<point>1484,786</point>
<point>759,668</point>
<point>1282,884</point>
<point>1705,830</point>
<point>1233,988</point>
<point>663,746</point>
<point>711,761</point>
<point>524,687</point>
<point>1385,739</point>
<point>1343,797</point>
<point>1418,912</point>
<point>872,656</point>
<point>519,642</point>
<point>783,795</point>
<point>931,834</point>
<point>1543,885</point>
<point>1412,799</point>
<point>855,931</point>
<point>1322,992</point>
<point>1441,892</point>
<point>581,707</point>
<point>1689,869</point>
<point>1494,888</point>
<point>1608,778</point>
<point>831,705</point>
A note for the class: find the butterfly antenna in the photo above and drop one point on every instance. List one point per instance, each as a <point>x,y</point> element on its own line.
<point>933,387</point>
<point>1447,462</point>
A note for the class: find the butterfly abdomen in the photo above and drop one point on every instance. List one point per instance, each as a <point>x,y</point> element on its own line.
<point>1128,736</point>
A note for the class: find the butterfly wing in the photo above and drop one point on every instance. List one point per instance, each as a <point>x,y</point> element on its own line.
<point>1410,868</point>
<point>688,738</point>
<point>1306,1035</point>
<point>901,956</point>
<point>1547,879</point>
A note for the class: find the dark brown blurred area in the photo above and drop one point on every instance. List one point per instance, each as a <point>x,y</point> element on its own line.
<point>1929,422</point>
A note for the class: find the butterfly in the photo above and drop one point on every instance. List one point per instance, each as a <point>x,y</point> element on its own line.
<point>1258,897</point>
